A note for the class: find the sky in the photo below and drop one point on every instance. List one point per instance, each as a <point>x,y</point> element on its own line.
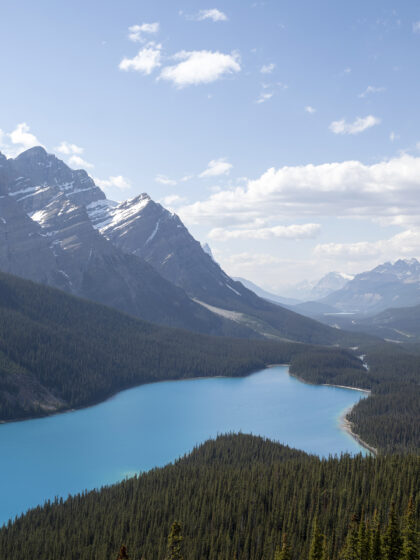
<point>285,133</point>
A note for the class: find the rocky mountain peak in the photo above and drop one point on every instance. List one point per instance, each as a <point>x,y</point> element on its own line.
<point>35,168</point>
<point>37,153</point>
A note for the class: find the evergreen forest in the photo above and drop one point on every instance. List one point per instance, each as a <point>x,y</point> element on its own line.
<point>237,497</point>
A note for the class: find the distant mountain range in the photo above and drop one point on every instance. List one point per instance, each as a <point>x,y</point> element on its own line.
<point>388,285</point>
<point>314,290</point>
<point>58,228</point>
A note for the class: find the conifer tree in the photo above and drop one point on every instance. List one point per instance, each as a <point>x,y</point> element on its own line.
<point>175,539</point>
<point>316,552</point>
<point>375,539</point>
<point>410,535</point>
<point>283,553</point>
<point>351,548</point>
<point>363,539</point>
<point>392,537</point>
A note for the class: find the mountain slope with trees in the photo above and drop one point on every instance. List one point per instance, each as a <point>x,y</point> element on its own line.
<point>59,352</point>
<point>236,497</point>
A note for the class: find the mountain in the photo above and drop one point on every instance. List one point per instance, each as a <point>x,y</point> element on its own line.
<point>47,236</point>
<point>144,228</point>
<point>59,352</point>
<point>274,298</point>
<point>329,283</point>
<point>59,229</point>
<point>388,285</point>
<point>396,324</point>
<point>314,290</point>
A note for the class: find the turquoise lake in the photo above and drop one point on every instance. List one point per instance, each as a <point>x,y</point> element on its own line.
<point>152,425</point>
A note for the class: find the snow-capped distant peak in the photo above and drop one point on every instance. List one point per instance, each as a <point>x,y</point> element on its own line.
<point>345,276</point>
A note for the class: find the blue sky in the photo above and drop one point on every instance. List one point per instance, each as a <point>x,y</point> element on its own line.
<point>196,102</point>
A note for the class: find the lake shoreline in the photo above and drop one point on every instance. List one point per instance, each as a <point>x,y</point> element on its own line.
<point>345,424</point>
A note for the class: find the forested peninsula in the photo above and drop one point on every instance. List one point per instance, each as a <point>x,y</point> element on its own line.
<point>238,496</point>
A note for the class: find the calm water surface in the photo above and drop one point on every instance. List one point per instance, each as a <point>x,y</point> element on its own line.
<point>154,424</point>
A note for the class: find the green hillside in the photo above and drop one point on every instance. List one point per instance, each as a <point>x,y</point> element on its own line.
<point>59,352</point>
<point>235,497</point>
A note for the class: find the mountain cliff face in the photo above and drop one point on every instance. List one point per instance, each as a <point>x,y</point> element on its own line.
<point>388,285</point>
<point>146,229</point>
<point>58,228</point>
<point>329,283</point>
<point>47,236</point>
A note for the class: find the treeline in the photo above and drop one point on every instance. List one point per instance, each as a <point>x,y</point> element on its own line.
<point>365,540</point>
<point>389,419</point>
<point>237,497</point>
<point>59,352</point>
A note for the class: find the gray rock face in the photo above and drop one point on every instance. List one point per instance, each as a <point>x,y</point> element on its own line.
<point>46,236</point>
<point>36,168</point>
<point>24,249</point>
<point>387,285</point>
<point>136,256</point>
<point>144,228</point>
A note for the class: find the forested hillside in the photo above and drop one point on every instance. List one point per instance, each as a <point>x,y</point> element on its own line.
<point>236,497</point>
<point>389,419</point>
<point>59,352</point>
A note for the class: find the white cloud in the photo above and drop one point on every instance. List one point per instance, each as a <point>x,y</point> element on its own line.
<point>388,190</point>
<point>117,181</point>
<point>406,244</point>
<point>305,231</point>
<point>67,149</point>
<point>186,178</point>
<point>416,27</point>
<point>21,136</point>
<point>371,89</point>
<point>164,180</point>
<point>200,67</point>
<point>216,167</point>
<point>359,125</point>
<point>147,59</point>
<point>79,162</point>
<point>268,68</point>
<point>264,97</point>
<point>310,109</point>
<point>135,32</point>
<point>213,14</point>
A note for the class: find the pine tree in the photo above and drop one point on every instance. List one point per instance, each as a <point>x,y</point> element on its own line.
<point>316,552</point>
<point>363,539</point>
<point>175,539</point>
<point>283,553</point>
<point>375,539</point>
<point>410,535</point>
<point>351,548</point>
<point>392,537</point>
